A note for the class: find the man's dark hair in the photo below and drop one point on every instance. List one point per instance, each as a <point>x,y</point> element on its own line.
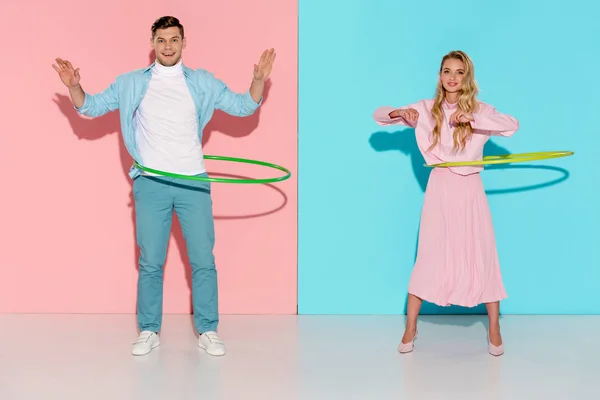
<point>166,22</point>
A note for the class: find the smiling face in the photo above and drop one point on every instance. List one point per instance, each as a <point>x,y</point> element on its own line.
<point>456,84</point>
<point>168,44</point>
<point>452,74</point>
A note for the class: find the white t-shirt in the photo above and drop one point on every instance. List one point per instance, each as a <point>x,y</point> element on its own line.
<point>166,124</point>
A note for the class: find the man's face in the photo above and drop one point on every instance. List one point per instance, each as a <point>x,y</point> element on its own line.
<point>168,45</point>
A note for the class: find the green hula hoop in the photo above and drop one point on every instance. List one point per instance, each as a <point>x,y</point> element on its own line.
<point>224,180</point>
<point>506,158</point>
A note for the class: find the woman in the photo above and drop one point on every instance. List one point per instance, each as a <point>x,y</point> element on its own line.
<point>457,262</point>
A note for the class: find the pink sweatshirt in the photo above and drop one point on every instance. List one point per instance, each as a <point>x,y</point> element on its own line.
<point>487,122</point>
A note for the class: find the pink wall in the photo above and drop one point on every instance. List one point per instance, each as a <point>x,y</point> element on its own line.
<point>67,237</point>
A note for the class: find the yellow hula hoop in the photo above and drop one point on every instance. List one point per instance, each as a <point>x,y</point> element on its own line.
<point>506,158</point>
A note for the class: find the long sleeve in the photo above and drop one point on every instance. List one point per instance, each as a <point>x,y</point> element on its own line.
<point>382,117</point>
<point>490,120</point>
<point>236,104</point>
<point>96,105</point>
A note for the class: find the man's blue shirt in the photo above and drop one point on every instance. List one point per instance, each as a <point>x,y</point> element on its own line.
<point>128,90</point>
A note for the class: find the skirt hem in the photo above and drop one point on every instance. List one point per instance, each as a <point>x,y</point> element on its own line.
<point>437,302</point>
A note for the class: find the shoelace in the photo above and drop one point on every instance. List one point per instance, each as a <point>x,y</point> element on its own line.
<point>213,338</point>
<point>144,337</point>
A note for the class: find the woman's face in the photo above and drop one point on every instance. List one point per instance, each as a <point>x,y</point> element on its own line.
<point>452,74</point>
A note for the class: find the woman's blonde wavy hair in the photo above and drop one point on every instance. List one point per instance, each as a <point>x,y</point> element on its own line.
<point>466,102</point>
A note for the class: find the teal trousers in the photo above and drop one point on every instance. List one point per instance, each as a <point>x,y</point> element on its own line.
<point>156,198</point>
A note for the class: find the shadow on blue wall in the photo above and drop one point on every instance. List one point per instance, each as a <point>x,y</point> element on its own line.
<point>404,141</point>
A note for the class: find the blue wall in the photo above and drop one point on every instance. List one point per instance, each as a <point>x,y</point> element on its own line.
<point>361,187</point>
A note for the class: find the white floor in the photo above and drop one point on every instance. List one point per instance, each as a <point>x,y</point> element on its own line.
<point>87,357</point>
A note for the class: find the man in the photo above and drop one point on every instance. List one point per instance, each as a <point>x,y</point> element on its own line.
<point>164,109</point>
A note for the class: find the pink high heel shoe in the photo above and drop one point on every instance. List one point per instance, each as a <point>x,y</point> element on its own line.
<point>495,350</point>
<point>407,347</point>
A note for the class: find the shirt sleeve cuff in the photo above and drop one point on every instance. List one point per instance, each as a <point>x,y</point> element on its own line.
<point>85,106</point>
<point>249,101</point>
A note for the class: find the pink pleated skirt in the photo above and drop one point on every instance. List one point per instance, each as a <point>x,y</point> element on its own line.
<point>457,261</point>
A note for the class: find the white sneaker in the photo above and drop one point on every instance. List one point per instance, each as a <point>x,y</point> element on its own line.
<point>211,343</point>
<point>145,343</point>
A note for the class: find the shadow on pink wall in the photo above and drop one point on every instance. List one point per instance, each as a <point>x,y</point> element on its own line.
<point>94,129</point>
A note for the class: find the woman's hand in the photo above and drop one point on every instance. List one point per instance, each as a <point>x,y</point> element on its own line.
<point>410,115</point>
<point>461,116</point>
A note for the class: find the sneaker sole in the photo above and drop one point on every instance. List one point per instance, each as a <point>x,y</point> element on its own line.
<point>209,353</point>
<point>148,352</point>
